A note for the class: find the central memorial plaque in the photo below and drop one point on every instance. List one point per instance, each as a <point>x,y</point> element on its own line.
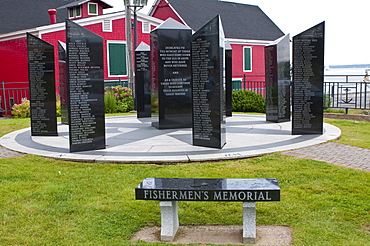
<point>208,81</point>
<point>308,79</point>
<point>170,75</point>
<point>85,77</point>
<point>142,80</point>
<point>277,63</point>
<point>41,73</point>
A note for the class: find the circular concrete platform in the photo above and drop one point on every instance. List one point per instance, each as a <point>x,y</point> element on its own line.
<point>130,140</point>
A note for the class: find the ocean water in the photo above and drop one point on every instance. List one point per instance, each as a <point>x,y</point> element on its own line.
<point>345,73</point>
<point>347,93</point>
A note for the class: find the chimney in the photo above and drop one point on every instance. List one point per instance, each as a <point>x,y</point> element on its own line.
<point>53,16</point>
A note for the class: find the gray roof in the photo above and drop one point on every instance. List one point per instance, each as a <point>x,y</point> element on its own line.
<point>76,3</point>
<point>18,15</point>
<point>240,21</point>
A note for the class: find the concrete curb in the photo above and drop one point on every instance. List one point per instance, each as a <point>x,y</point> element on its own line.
<point>131,141</point>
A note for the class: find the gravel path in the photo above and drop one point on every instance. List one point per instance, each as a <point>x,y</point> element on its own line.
<point>5,153</point>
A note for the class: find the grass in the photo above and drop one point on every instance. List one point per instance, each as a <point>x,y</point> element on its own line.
<point>355,133</point>
<point>343,111</point>
<point>51,202</point>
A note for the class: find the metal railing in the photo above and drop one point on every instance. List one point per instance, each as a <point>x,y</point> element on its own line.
<point>346,91</point>
<point>340,91</point>
<point>123,83</point>
<point>12,93</point>
<point>254,83</point>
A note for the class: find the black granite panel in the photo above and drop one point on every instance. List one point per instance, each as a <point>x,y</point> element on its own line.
<point>277,64</point>
<point>62,56</point>
<point>142,82</point>
<point>209,128</point>
<point>230,190</point>
<point>85,78</point>
<point>308,78</point>
<point>41,73</point>
<point>228,82</point>
<point>171,72</point>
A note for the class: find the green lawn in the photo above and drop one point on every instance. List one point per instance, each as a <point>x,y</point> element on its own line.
<point>51,202</point>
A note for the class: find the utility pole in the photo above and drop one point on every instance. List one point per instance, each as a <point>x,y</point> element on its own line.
<point>129,57</point>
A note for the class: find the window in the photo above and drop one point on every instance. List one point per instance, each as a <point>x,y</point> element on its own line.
<point>71,13</point>
<point>78,11</point>
<point>145,27</point>
<point>116,58</point>
<point>107,25</point>
<point>247,59</point>
<point>93,8</point>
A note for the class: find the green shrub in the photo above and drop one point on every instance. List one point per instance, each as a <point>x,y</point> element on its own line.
<point>248,101</point>
<point>58,108</point>
<point>110,103</point>
<point>327,101</point>
<point>122,99</point>
<point>21,110</point>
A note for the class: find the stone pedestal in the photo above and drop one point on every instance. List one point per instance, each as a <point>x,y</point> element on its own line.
<point>169,220</point>
<point>41,74</point>
<point>277,64</point>
<point>142,80</point>
<point>208,79</point>
<point>308,81</point>
<point>171,98</point>
<point>85,87</point>
<point>249,222</point>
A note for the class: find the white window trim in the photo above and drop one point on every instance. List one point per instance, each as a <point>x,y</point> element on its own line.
<point>88,8</point>
<point>145,27</point>
<point>106,23</point>
<point>251,58</point>
<point>75,10</point>
<point>114,42</point>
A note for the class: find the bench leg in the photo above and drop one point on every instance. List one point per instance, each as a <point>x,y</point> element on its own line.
<point>249,222</point>
<point>169,220</point>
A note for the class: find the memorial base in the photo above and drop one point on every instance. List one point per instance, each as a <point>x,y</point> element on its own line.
<point>169,220</point>
<point>249,222</point>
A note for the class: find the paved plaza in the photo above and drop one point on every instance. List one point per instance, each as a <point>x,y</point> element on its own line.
<point>130,140</point>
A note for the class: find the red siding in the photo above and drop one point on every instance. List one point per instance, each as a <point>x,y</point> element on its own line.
<point>53,39</point>
<point>164,11</point>
<point>14,72</point>
<point>13,60</point>
<point>118,34</point>
<point>258,61</point>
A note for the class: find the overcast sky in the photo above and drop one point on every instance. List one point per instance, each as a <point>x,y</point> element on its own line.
<point>347,26</point>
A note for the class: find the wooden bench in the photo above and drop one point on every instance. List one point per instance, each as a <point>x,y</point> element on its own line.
<point>171,190</point>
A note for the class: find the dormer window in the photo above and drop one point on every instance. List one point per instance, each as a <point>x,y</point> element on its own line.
<point>78,11</point>
<point>93,8</point>
<point>74,12</point>
<point>71,13</point>
<point>85,8</point>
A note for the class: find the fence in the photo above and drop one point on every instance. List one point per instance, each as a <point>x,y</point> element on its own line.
<point>346,91</point>
<point>254,83</point>
<point>12,93</point>
<point>123,83</point>
<point>340,91</point>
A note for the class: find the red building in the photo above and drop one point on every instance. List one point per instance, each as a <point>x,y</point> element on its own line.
<point>246,27</point>
<point>87,13</point>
